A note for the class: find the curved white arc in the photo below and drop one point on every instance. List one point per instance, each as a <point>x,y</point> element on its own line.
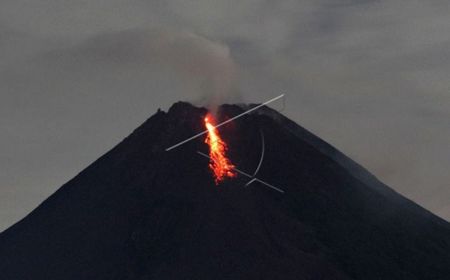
<point>254,179</point>
<point>262,153</point>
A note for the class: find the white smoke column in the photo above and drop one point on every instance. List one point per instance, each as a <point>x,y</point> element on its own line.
<point>206,63</point>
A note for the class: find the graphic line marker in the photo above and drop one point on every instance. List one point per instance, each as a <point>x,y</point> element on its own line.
<point>225,122</point>
<point>254,179</point>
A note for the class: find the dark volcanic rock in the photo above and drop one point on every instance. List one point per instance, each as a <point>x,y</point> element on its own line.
<point>139,212</point>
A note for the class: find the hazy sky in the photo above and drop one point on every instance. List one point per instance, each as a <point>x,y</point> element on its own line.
<point>369,77</point>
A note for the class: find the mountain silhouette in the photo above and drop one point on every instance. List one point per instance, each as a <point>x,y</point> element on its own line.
<point>141,212</point>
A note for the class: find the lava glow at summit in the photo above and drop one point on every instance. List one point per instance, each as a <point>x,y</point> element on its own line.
<point>219,164</point>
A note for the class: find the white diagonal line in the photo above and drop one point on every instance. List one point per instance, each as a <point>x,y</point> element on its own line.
<point>234,168</point>
<point>247,175</point>
<point>225,122</point>
<point>269,185</point>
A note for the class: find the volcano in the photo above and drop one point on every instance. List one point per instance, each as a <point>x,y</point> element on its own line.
<point>141,212</point>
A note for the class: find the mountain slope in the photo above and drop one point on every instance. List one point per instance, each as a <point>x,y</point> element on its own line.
<point>142,213</point>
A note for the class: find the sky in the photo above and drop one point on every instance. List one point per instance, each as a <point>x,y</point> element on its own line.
<point>369,77</point>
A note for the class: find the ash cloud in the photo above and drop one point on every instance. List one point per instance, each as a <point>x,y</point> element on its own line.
<point>198,62</point>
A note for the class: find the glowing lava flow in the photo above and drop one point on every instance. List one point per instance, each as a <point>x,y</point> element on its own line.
<point>220,164</point>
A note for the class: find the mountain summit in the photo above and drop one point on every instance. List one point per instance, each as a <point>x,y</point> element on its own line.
<point>141,212</point>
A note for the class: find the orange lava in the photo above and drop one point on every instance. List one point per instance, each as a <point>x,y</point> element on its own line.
<point>219,164</point>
